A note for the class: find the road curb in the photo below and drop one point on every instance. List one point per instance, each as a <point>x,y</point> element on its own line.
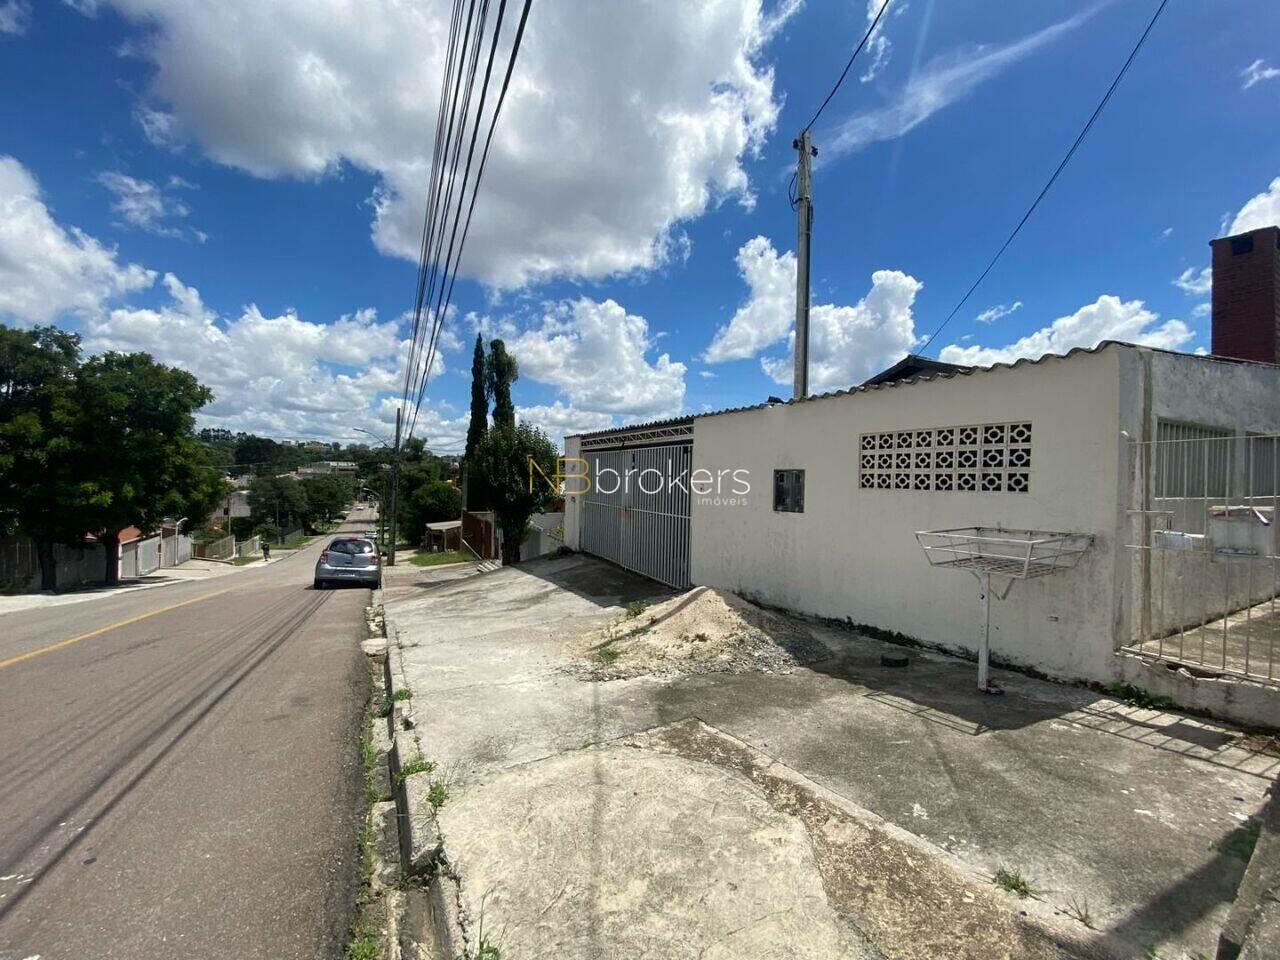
<point>421,846</point>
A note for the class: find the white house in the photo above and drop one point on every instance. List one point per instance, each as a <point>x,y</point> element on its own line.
<point>1168,461</point>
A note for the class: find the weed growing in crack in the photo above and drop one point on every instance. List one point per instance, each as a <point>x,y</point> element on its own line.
<point>636,607</point>
<point>1014,882</point>
<point>608,655</point>
<point>1137,697</point>
<point>438,794</point>
<point>1079,911</point>
<point>416,765</point>
<point>401,694</point>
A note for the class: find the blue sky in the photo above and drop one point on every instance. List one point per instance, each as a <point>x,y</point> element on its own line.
<point>234,187</point>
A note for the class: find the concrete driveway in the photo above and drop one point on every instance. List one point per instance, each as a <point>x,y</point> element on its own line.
<point>844,809</point>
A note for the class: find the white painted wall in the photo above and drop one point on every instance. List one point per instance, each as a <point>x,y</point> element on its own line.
<point>853,554</point>
<point>572,502</point>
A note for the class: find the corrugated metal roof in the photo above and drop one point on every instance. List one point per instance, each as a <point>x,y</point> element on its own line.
<point>925,378</point>
<point>647,425</point>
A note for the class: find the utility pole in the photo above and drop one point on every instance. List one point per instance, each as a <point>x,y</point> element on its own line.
<point>395,489</point>
<point>804,230</point>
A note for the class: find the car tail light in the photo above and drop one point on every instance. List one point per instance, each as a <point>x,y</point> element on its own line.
<point>324,557</point>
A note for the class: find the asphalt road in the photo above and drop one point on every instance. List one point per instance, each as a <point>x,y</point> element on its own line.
<point>185,783</point>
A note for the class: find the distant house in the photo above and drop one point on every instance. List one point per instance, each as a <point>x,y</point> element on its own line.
<point>324,467</point>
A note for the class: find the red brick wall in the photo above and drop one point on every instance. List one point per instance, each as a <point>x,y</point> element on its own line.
<point>1246,297</point>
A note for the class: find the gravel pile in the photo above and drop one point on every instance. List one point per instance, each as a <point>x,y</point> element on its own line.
<point>700,631</point>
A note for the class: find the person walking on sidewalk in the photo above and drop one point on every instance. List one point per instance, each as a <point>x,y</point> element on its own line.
<point>266,552</point>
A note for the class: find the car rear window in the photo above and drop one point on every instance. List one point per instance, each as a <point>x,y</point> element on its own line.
<point>351,546</point>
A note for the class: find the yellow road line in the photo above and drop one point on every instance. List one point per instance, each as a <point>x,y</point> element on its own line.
<point>111,626</point>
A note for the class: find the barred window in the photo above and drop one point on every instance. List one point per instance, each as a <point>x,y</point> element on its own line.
<point>788,491</point>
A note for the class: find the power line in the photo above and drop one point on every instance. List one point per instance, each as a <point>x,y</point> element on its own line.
<point>1056,173</point>
<point>852,57</point>
<point>435,210</point>
<point>452,271</point>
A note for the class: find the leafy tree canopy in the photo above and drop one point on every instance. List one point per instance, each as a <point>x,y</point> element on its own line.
<point>503,460</point>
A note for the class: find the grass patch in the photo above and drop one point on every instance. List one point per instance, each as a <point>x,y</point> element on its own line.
<point>438,794</point>
<point>1137,697</point>
<point>401,694</point>
<point>364,944</point>
<point>364,941</point>
<point>608,655</point>
<point>295,542</point>
<point>636,607</point>
<point>416,765</point>
<point>1014,882</point>
<point>1239,843</point>
<point>438,559</point>
<point>243,561</point>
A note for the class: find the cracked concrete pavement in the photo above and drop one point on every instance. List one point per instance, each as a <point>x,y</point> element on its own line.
<point>574,831</point>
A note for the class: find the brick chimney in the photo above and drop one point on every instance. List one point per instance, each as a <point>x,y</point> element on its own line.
<point>1246,295</point>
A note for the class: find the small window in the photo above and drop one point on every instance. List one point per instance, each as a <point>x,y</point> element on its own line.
<point>788,491</point>
<point>1241,245</point>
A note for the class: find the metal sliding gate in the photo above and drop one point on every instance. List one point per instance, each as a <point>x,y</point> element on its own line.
<point>637,511</point>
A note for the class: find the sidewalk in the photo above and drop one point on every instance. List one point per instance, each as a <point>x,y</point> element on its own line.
<point>845,809</point>
<point>166,576</point>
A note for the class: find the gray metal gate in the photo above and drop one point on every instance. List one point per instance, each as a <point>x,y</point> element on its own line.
<point>637,511</point>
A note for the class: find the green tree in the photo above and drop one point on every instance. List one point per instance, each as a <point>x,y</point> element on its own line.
<point>278,501</point>
<point>327,496</point>
<point>501,371</point>
<point>431,502</point>
<point>257,453</point>
<point>37,408</point>
<point>135,446</point>
<point>503,459</point>
<point>479,400</point>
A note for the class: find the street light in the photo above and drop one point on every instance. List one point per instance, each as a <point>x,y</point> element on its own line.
<point>372,434</point>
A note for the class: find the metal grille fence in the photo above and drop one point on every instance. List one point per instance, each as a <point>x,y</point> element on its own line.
<point>637,511</point>
<point>1206,551</point>
<point>223,549</point>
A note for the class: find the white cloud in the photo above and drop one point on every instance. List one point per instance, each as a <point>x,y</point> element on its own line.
<point>879,47</point>
<point>622,121</point>
<point>47,270</point>
<point>1107,318</point>
<point>282,376</point>
<point>595,353</point>
<point>847,344</point>
<point>15,17</point>
<point>1256,73</point>
<point>769,312</point>
<point>1262,210</point>
<point>1201,310</point>
<point>559,420</point>
<point>1195,282</point>
<point>706,374</point>
<point>938,84</point>
<point>147,206</point>
<point>998,312</point>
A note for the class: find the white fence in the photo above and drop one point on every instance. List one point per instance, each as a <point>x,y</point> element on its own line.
<point>175,550</point>
<point>139,558</point>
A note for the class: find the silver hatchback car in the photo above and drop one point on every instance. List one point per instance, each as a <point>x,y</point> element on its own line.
<point>349,559</point>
